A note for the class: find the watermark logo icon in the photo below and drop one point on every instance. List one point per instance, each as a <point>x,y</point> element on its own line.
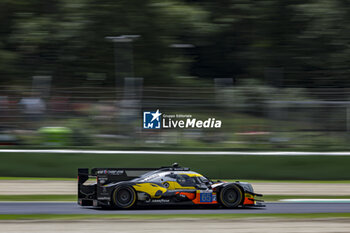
<point>152,120</point>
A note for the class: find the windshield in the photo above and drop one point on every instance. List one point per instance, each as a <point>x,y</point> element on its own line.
<point>186,180</point>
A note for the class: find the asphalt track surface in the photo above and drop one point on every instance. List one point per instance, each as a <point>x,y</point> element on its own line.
<point>73,208</point>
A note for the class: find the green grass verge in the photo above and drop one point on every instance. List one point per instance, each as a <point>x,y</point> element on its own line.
<point>267,198</point>
<point>167,216</point>
<point>218,166</point>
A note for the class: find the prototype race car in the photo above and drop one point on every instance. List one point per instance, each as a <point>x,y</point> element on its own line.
<point>124,188</point>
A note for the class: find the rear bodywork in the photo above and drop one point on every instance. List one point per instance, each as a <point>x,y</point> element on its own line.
<point>156,186</point>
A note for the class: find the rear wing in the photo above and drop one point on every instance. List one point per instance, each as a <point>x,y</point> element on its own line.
<point>105,175</point>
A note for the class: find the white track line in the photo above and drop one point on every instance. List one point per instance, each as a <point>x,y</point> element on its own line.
<point>278,153</point>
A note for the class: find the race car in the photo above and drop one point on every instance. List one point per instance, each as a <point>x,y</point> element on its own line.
<point>125,188</point>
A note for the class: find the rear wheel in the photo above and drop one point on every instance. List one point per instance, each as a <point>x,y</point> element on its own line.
<point>124,197</point>
<point>230,196</point>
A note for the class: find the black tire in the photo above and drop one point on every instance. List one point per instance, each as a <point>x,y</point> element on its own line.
<point>230,196</point>
<point>124,197</point>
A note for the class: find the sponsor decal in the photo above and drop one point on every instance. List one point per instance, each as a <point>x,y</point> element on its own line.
<point>110,172</point>
<point>180,169</point>
<point>160,200</point>
<point>158,120</point>
<point>102,180</point>
<point>206,196</point>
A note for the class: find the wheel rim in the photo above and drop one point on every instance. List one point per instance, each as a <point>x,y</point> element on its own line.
<point>230,196</point>
<point>124,197</point>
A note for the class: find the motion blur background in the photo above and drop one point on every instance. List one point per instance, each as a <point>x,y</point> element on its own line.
<point>275,72</point>
<point>77,74</point>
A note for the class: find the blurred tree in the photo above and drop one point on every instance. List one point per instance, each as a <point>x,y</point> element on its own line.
<point>50,39</point>
<point>66,39</point>
<point>324,43</point>
<point>7,53</point>
<point>303,43</point>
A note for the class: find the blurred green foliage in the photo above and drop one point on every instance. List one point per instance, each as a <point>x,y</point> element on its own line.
<point>281,42</point>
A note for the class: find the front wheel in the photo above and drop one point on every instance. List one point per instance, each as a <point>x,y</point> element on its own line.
<point>230,196</point>
<point>124,197</point>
